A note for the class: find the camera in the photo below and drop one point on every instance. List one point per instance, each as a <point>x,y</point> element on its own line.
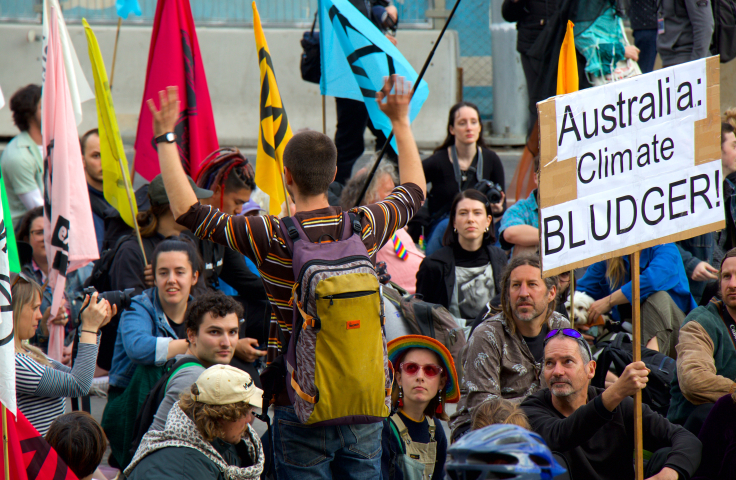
<point>491,190</point>
<point>121,298</point>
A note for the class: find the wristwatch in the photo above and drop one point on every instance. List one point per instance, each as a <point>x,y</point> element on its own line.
<point>166,137</point>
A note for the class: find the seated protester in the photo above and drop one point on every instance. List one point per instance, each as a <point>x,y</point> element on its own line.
<point>31,231</point>
<point>706,354</point>
<point>718,435</point>
<point>309,168</point>
<point>414,444</point>
<point>92,161</point>
<point>505,353</point>
<point>152,330</point>
<point>401,256</point>
<point>593,428</point>
<point>207,435</point>
<point>459,163</point>
<point>499,410</point>
<point>697,256</point>
<point>128,269</point>
<point>78,440</point>
<point>213,321</point>
<point>665,298</point>
<point>465,274</point>
<point>520,224</point>
<point>42,384</point>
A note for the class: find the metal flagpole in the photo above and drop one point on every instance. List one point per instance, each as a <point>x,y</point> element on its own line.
<point>419,79</point>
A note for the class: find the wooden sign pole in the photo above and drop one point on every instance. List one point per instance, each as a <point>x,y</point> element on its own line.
<point>636,323</point>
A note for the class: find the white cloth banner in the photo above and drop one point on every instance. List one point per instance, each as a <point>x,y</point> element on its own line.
<point>78,86</point>
<point>7,342</point>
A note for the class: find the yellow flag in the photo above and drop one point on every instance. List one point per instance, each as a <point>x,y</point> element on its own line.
<point>115,174</point>
<point>567,67</point>
<point>275,131</point>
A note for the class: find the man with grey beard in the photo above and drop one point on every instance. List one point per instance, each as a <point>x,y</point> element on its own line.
<point>594,428</point>
<point>504,354</point>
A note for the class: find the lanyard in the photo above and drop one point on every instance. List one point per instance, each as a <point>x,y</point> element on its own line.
<point>458,173</point>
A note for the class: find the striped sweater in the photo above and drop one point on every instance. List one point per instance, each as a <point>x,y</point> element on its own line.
<point>261,240</point>
<point>42,390</point>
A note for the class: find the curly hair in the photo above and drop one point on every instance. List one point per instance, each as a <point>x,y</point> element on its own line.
<point>498,410</point>
<point>208,418</point>
<point>79,440</point>
<point>216,304</point>
<point>24,231</point>
<point>516,262</point>
<point>24,104</point>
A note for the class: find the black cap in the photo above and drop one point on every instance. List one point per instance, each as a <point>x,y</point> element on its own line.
<point>157,192</point>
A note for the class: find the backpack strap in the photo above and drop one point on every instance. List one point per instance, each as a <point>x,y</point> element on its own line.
<point>423,314</point>
<point>403,431</point>
<point>432,428</point>
<point>352,225</point>
<point>396,434</point>
<point>181,367</point>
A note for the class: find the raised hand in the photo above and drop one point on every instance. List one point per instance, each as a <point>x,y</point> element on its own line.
<point>395,105</point>
<point>164,120</point>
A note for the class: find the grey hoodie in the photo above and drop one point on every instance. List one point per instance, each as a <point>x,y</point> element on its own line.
<point>688,28</point>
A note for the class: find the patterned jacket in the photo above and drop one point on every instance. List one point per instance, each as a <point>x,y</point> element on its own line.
<point>497,363</point>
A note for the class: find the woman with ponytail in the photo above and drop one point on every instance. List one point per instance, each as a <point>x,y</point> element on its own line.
<point>414,444</point>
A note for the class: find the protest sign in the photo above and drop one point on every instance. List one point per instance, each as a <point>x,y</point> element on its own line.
<point>630,165</point>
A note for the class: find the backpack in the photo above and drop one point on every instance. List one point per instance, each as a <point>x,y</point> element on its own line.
<point>431,320</point>
<point>618,353</point>
<point>100,276</point>
<point>337,363</point>
<point>311,64</point>
<point>144,419</point>
<point>724,29</point>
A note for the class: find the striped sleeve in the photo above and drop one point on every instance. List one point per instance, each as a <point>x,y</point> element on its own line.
<point>77,382</point>
<point>250,236</point>
<point>386,217</point>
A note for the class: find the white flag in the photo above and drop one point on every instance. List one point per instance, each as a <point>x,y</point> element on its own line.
<point>7,342</point>
<point>78,86</point>
<point>2,100</point>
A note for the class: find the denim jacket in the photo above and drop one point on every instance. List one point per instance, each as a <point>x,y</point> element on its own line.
<point>143,337</point>
<point>693,251</point>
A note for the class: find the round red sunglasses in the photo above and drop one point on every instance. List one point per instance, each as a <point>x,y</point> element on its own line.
<point>411,368</point>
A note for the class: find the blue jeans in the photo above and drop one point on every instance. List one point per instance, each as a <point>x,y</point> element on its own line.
<point>350,452</point>
<point>646,42</point>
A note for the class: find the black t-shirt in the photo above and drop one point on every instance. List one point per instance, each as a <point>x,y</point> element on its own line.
<point>180,329</point>
<point>439,172</point>
<point>464,258</point>
<point>536,344</point>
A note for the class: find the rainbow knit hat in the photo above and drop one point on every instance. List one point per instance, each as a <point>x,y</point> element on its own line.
<point>398,347</point>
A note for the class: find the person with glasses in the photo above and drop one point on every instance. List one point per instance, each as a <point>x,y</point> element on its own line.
<point>593,428</point>
<point>505,353</point>
<point>42,384</point>
<point>414,445</point>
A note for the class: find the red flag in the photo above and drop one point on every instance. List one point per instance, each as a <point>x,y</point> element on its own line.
<point>174,59</point>
<point>30,457</point>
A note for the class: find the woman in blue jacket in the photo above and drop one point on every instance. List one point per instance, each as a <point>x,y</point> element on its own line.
<point>664,292</point>
<point>153,329</point>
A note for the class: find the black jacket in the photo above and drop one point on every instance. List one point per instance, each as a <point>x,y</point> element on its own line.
<point>441,266</point>
<point>599,444</point>
<point>530,16</point>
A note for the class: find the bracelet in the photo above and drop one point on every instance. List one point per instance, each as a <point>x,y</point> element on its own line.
<point>90,331</point>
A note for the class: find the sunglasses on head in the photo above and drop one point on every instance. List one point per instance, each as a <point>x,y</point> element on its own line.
<point>569,332</point>
<point>411,368</point>
<point>22,276</point>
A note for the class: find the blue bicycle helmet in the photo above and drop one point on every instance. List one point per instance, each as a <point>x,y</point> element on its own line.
<point>501,452</point>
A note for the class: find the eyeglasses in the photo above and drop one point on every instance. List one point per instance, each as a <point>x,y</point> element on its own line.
<point>569,332</point>
<point>22,276</point>
<point>411,368</point>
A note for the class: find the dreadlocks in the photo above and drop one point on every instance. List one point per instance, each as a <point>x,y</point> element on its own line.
<point>228,169</point>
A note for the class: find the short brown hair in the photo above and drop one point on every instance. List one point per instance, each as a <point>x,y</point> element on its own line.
<point>216,304</point>
<point>207,418</point>
<point>24,104</point>
<point>516,262</point>
<point>79,440</point>
<point>311,157</point>
<point>85,137</point>
<point>726,128</point>
<point>498,410</point>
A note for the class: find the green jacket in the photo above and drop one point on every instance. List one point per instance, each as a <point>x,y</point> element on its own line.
<point>22,170</point>
<point>706,362</point>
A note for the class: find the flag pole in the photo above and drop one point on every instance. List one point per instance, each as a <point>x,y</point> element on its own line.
<point>6,456</point>
<point>286,193</point>
<point>419,79</point>
<point>324,119</point>
<point>636,323</point>
<point>115,52</point>
<point>130,203</point>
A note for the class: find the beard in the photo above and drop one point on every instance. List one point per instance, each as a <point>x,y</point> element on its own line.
<point>565,391</point>
<point>535,311</point>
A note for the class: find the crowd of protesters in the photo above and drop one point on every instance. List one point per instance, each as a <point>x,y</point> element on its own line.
<point>192,333</point>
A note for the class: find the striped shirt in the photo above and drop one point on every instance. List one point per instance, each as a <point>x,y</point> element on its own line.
<point>261,240</point>
<point>41,390</point>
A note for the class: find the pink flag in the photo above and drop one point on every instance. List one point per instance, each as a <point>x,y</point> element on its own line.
<point>69,232</point>
<point>174,59</point>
